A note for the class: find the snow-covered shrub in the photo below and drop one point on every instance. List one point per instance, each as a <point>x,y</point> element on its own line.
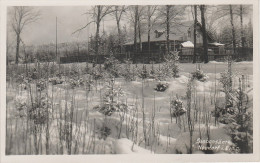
<point>152,74</point>
<point>89,82</point>
<point>39,111</point>
<point>34,74</point>
<point>242,129</point>
<point>21,106</point>
<point>111,102</point>
<point>171,66</point>
<point>112,66</point>
<point>74,70</point>
<point>240,123</point>
<point>222,113</point>
<point>160,74</point>
<point>177,108</point>
<point>126,71</point>
<point>56,80</point>
<point>199,75</point>
<point>161,87</point>
<point>41,85</point>
<point>226,79</point>
<point>23,81</point>
<point>76,83</point>
<point>97,73</point>
<point>109,109</point>
<point>143,73</point>
<point>104,132</point>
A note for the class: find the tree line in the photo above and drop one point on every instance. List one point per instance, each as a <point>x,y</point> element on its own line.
<point>224,22</point>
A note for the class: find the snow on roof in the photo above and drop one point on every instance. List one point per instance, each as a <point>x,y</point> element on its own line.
<point>216,44</point>
<point>187,44</point>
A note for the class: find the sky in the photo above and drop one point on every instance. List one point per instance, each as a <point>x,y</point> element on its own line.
<point>69,20</point>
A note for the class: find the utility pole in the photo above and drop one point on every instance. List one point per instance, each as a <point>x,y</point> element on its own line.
<point>57,58</point>
<point>87,58</point>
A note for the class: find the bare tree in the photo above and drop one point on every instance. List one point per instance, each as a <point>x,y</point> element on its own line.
<point>97,14</point>
<point>136,16</point>
<point>204,33</point>
<point>195,35</point>
<point>118,13</point>
<point>171,15</point>
<point>139,25</point>
<point>168,7</point>
<point>231,13</point>
<point>151,19</point>
<point>135,27</point>
<point>241,25</point>
<point>233,29</point>
<point>21,17</point>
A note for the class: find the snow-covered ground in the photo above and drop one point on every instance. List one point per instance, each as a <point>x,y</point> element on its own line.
<point>164,134</point>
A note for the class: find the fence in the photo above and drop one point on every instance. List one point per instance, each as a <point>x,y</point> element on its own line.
<point>186,55</point>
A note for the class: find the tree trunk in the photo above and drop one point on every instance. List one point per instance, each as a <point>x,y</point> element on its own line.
<point>195,35</point>
<point>204,33</point>
<point>233,29</point>
<point>139,34</point>
<point>242,29</point>
<point>168,28</point>
<point>135,33</point>
<point>97,38</point>
<point>135,28</point>
<point>149,31</point>
<point>118,28</point>
<point>241,24</point>
<point>17,48</point>
<point>97,30</point>
<point>119,35</point>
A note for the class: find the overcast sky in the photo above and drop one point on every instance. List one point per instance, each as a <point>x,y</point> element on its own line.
<point>69,20</point>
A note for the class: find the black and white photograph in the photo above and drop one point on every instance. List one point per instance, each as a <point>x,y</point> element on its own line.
<point>107,79</point>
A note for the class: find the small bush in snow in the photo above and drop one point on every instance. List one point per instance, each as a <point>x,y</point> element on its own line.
<point>126,71</point>
<point>89,82</point>
<point>76,83</point>
<point>56,80</point>
<point>39,111</point>
<point>74,70</point>
<point>111,102</point>
<point>41,85</point>
<point>160,74</point>
<point>199,75</point>
<point>161,87</point>
<point>177,108</point>
<point>97,73</point>
<point>104,132</point>
<point>21,106</point>
<point>112,66</point>
<point>171,66</point>
<point>143,73</point>
<point>109,109</point>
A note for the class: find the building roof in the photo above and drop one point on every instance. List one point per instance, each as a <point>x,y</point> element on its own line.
<point>177,32</point>
<point>153,38</point>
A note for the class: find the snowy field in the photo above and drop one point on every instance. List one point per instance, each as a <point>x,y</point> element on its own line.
<point>74,126</point>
